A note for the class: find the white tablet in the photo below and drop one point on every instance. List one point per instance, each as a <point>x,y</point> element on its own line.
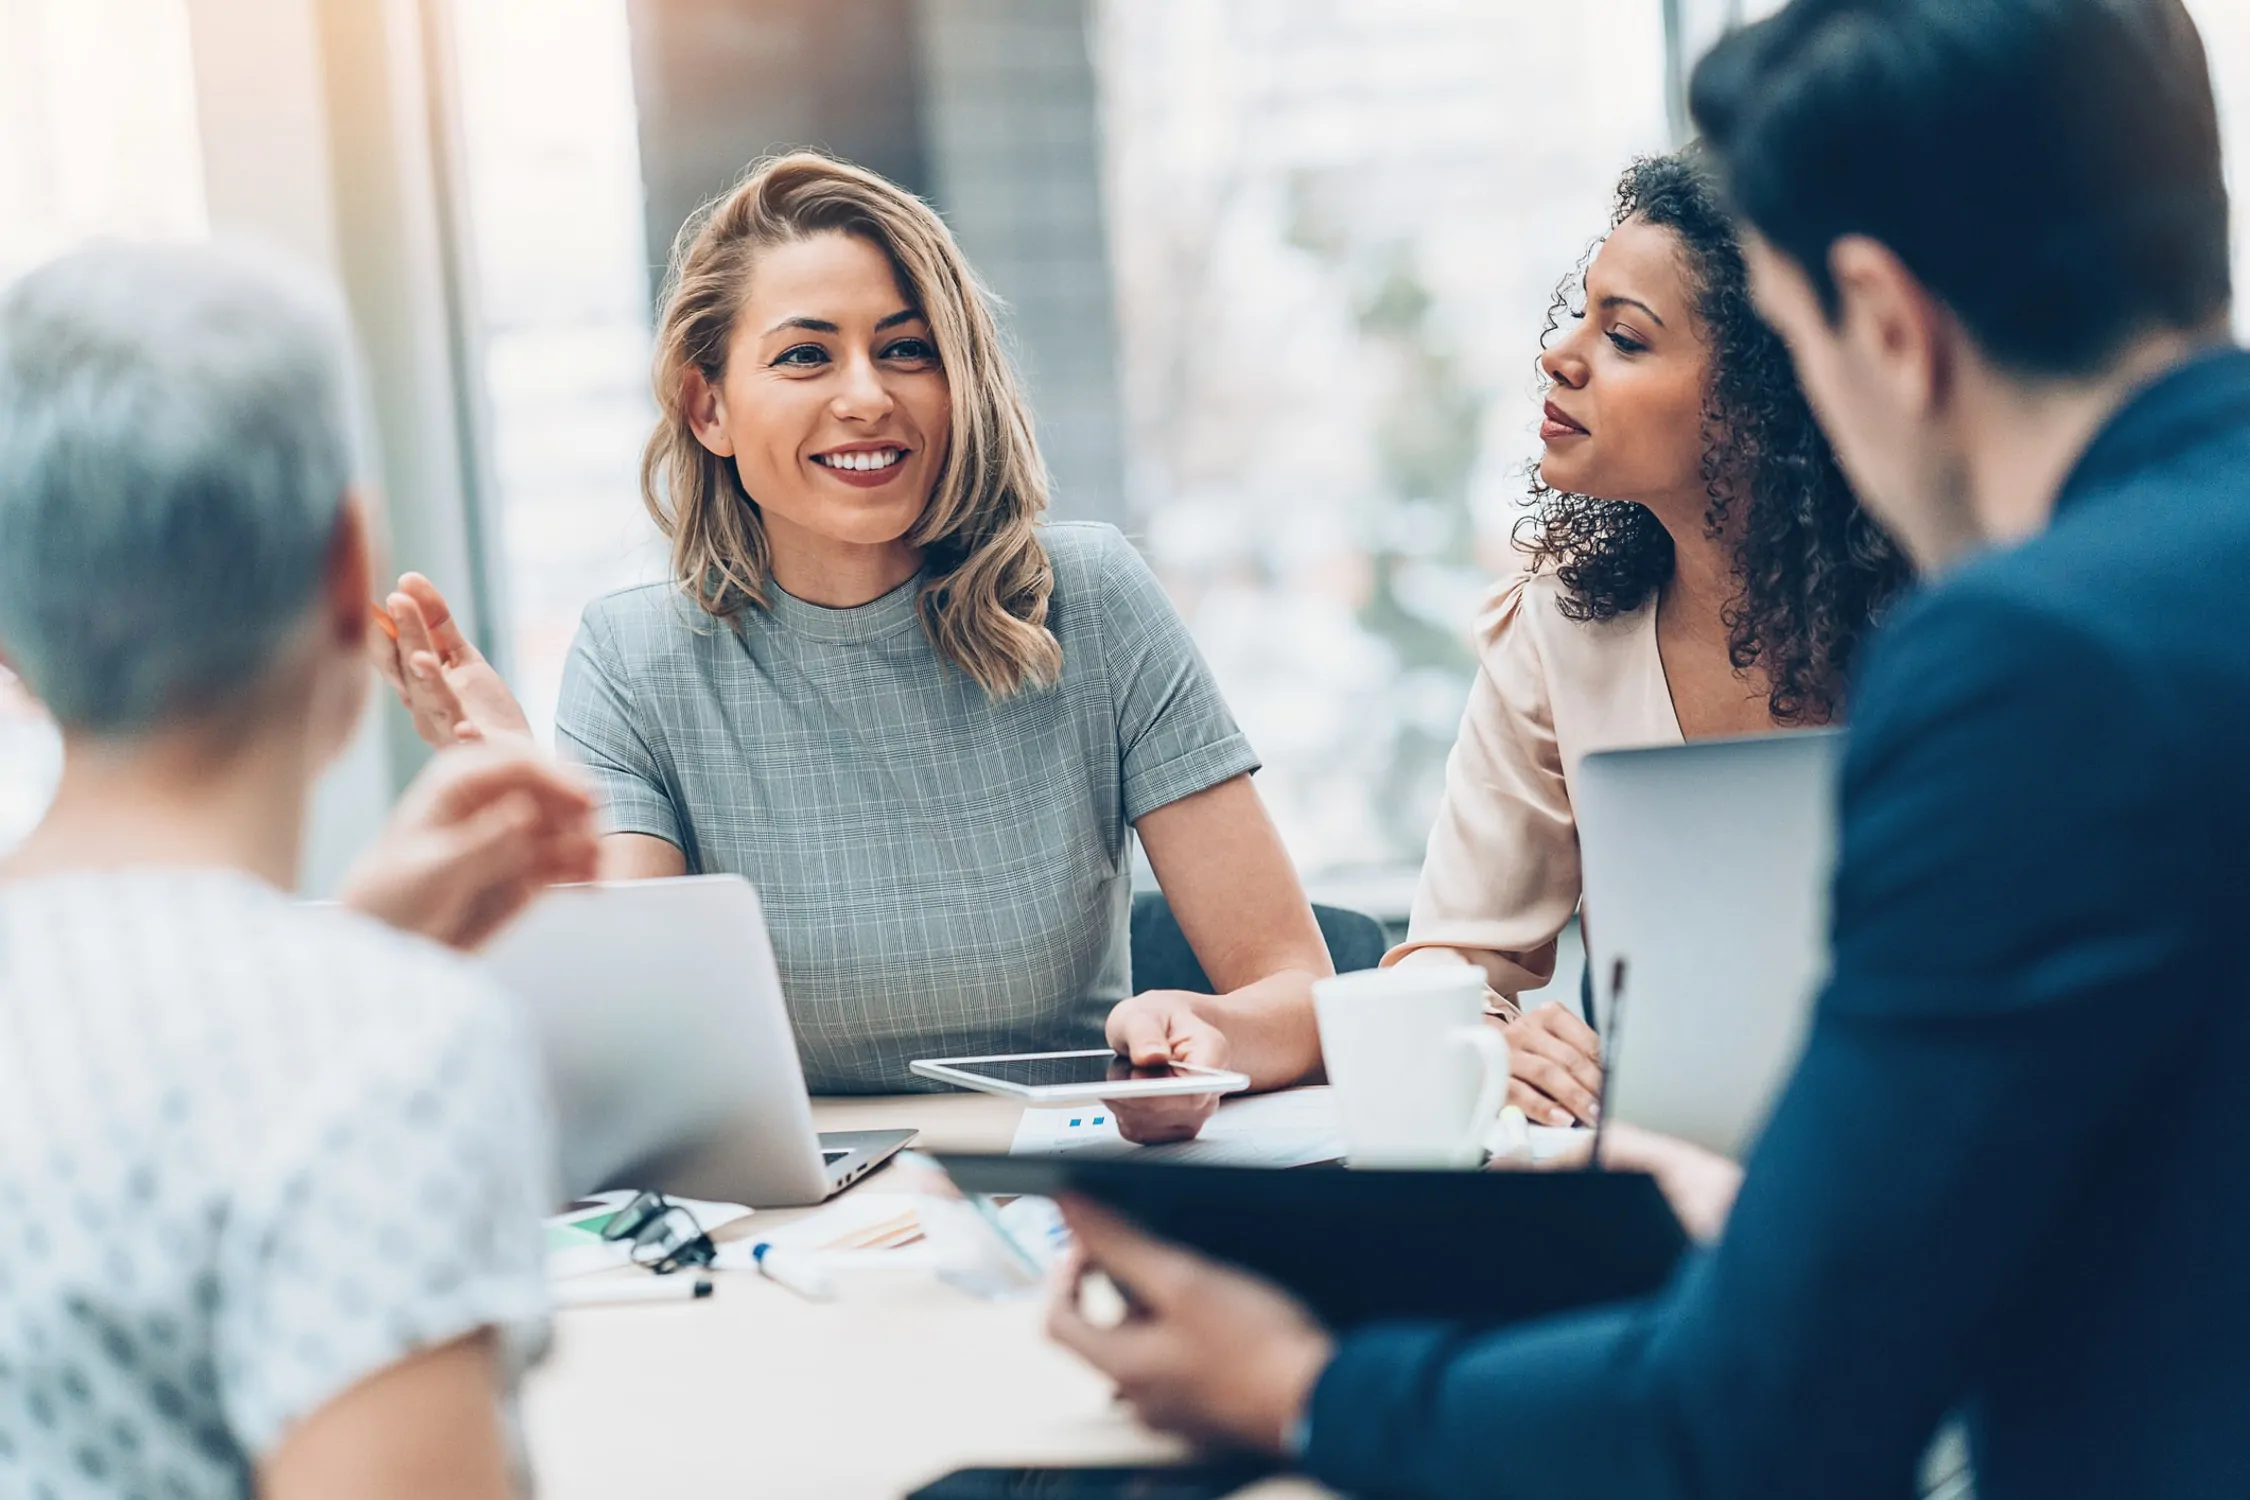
<point>1067,1077</point>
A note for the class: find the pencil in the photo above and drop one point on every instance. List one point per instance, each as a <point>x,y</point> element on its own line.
<point>383,621</point>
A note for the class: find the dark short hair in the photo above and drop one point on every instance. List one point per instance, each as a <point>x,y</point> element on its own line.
<point>2049,169</point>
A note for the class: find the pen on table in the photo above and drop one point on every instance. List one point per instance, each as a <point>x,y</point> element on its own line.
<point>784,1269</point>
<point>649,1289</point>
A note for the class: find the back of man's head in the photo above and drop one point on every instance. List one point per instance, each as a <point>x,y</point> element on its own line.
<point>175,446</point>
<point>2049,169</point>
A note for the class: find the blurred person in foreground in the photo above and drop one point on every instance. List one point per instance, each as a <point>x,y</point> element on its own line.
<point>1697,567</point>
<point>2006,1178</point>
<point>270,1176</point>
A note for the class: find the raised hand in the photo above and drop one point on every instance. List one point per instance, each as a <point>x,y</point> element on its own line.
<point>452,692</point>
<point>481,832</point>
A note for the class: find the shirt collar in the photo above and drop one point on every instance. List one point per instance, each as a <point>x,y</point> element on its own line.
<point>2206,392</point>
<point>893,612</point>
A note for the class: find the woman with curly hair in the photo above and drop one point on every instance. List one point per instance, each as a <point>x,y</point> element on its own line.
<point>1697,567</point>
<point>925,725</point>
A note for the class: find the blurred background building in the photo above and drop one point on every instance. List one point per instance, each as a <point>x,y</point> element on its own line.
<point>1274,269</point>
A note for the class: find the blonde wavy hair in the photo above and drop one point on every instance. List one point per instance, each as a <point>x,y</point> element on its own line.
<point>986,578</point>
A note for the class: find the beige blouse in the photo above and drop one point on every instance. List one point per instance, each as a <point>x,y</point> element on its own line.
<point>1501,877</point>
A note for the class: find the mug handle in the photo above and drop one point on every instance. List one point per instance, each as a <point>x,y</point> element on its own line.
<point>1492,1054</point>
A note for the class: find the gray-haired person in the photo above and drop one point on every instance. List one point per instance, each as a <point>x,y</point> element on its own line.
<point>270,1176</point>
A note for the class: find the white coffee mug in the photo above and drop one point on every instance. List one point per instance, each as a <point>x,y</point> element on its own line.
<point>1419,1074</point>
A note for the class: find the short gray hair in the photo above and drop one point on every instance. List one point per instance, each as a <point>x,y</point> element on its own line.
<point>175,445</point>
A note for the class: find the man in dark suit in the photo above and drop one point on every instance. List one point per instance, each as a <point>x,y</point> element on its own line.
<point>2008,1176</point>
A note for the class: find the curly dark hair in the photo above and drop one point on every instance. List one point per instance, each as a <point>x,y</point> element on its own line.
<point>1813,569</point>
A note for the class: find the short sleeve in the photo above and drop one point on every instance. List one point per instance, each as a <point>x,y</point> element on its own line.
<point>597,726</point>
<point>1175,736</point>
<point>1501,875</point>
<point>396,1209</point>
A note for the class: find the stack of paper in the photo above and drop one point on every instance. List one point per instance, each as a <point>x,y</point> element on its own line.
<point>1287,1129</point>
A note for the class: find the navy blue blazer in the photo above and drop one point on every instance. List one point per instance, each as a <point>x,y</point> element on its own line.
<point>2011,1175</point>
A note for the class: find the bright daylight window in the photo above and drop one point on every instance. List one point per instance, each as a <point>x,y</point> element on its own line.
<point>1334,230</point>
<point>1334,233</point>
<point>555,204</point>
<point>97,137</point>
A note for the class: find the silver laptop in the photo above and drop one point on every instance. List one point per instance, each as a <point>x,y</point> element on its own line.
<point>1706,876</point>
<point>668,1047</point>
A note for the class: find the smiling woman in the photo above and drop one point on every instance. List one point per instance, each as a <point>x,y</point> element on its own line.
<point>862,332</point>
<point>839,427</point>
<point>923,724</point>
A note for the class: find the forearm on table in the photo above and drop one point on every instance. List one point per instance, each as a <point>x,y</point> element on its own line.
<point>1507,975</point>
<point>1270,1029</point>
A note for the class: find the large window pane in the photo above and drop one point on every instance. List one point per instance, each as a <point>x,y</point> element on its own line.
<point>555,208</point>
<point>2226,37</point>
<point>1337,229</point>
<point>97,138</point>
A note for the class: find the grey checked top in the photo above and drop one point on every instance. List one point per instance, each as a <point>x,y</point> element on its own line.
<point>943,875</point>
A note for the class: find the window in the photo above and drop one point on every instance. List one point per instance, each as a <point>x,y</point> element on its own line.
<point>97,137</point>
<point>1333,233</point>
<point>2226,38</point>
<point>1336,232</point>
<point>554,193</point>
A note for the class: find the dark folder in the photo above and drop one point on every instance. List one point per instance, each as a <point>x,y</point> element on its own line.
<point>1481,1248</point>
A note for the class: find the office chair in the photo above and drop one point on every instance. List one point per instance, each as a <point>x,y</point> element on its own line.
<point>1162,959</point>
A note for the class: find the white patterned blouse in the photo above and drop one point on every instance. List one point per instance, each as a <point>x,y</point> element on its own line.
<point>250,1154</point>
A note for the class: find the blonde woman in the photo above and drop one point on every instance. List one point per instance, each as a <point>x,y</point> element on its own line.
<point>922,723</point>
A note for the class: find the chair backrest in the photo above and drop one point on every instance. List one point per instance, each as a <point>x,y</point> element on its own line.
<point>1162,959</point>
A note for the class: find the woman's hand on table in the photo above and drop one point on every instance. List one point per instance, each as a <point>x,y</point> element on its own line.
<point>453,693</point>
<point>1164,1026</point>
<point>1555,1062</point>
<point>480,832</point>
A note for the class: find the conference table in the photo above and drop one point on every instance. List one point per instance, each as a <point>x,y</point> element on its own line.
<point>756,1391</point>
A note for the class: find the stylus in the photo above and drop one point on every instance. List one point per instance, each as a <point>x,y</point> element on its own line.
<point>1609,1058</point>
